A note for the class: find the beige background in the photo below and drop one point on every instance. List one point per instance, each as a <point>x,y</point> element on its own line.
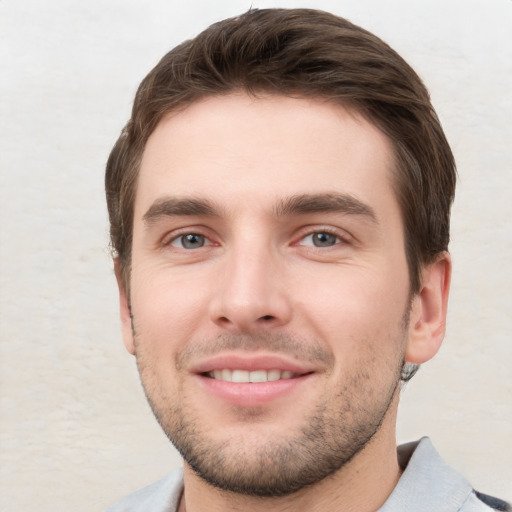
<point>75,431</point>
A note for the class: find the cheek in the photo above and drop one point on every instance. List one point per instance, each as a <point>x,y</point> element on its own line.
<point>356,311</point>
<point>167,309</point>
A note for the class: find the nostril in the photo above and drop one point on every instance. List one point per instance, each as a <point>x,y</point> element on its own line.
<point>267,317</point>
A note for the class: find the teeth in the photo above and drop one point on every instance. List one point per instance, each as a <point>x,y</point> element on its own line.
<point>273,375</point>
<point>258,376</point>
<point>241,376</point>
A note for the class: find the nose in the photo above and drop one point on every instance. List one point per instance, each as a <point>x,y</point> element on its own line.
<point>251,293</point>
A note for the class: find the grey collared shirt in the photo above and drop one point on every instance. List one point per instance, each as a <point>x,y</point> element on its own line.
<point>427,484</point>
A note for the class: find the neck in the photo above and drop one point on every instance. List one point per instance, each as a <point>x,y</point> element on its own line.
<point>362,485</point>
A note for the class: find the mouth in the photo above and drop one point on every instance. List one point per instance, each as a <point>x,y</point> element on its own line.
<point>249,380</point>
<point>254,376</point>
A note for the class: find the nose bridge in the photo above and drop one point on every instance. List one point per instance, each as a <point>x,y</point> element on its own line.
<point>250,293</point>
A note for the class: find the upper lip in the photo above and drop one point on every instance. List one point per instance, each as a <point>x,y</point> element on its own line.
<point>250,362</point>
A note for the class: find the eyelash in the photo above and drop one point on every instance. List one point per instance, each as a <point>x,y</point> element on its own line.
<point>168,241</point>
<point>183,237</point>
<point>307,232</point>
<point>340,238</point>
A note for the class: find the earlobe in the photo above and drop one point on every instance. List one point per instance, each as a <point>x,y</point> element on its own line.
<point>428,312</point>
<point>125,311</point>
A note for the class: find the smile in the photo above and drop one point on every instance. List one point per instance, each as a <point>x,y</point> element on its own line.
<point>251,379</point>
<point>245,376</point>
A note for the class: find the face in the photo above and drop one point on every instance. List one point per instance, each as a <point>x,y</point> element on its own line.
<point>269,288</point>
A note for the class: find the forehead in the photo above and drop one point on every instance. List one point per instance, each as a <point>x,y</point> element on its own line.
<point>240,149</point>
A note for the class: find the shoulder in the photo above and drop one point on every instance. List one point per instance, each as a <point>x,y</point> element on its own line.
<point>478,502</point>
<point>428,480</point>
<point>160,496</point>
<point>492,503</point>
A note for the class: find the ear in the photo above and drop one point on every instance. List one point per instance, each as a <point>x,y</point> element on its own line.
<point>427,320</point>
<point>125,311</point>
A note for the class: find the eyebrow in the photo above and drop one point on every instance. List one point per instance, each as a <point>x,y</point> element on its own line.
<point>295,205</point>
<point>176,206</point>
<point>318,203</point>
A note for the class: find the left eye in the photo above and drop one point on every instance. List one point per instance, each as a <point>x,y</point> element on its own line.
<point>320,239</point>
<point>189,241</point>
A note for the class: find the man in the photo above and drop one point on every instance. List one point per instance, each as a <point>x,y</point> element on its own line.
<point>279,206</point>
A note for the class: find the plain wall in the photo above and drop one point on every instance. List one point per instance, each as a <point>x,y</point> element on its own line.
<point>75,430</point>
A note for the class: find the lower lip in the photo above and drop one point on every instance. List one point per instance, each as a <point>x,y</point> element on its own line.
<point>251,394</point>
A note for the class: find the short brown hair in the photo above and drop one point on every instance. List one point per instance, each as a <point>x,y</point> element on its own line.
<point>303,53</point>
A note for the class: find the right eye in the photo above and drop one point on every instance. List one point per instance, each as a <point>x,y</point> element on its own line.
<point>321,239</point>
<point>189,241</point>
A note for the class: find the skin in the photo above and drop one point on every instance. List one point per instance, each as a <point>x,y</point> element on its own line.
<point>267,228</point>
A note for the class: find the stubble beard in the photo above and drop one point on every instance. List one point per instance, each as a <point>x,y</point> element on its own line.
<point>339,427</point>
